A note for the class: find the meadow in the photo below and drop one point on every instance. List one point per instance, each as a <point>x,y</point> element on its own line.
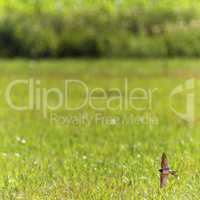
<point>41,158</point>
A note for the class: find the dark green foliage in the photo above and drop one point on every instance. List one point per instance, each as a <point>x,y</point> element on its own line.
<point>134,32</point>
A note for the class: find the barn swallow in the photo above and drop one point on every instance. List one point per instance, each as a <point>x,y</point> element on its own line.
<point>165,171</point>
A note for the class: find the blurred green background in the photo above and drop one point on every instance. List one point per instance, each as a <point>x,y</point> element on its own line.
<point>99,28</point>
<point>41,159</point>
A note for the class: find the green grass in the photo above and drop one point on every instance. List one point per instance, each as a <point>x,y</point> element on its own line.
<point>40,159</point>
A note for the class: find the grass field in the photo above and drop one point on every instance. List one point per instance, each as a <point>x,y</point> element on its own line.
<point>42,158</point>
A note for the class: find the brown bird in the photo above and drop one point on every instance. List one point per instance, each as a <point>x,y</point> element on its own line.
<point>165,171</point>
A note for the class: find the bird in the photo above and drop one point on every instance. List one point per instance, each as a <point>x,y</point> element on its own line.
<point>165,171</point>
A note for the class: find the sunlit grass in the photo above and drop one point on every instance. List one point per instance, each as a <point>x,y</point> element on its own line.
<point>44,160</point>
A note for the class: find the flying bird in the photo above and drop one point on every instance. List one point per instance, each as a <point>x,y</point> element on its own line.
<point>165,171</point>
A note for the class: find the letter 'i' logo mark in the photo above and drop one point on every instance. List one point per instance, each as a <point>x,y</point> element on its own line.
<point>188,87</point>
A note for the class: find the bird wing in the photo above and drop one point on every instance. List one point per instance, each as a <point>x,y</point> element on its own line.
<point>163,180</point>
<point>164,161</point>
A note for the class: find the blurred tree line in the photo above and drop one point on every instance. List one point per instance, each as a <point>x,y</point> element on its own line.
<point>112,28</point>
